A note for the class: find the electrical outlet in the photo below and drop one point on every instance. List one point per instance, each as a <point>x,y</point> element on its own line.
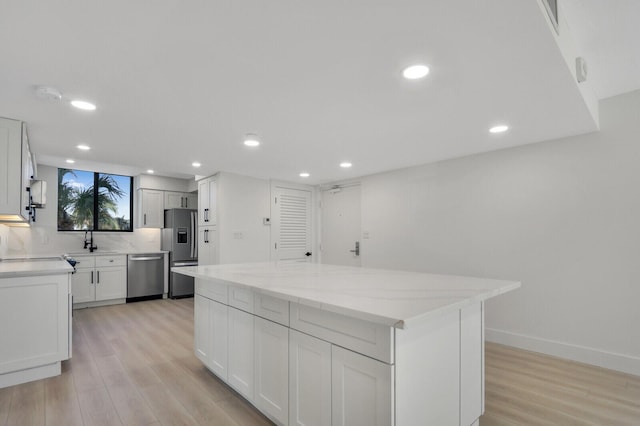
<point>238,235</point>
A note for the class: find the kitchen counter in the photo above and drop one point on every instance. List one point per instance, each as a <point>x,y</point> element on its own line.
<point>30,266</point>
<point>388,297</point>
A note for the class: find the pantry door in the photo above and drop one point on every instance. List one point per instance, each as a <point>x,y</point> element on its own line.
<point>341,226</point>
<point>291,224</point>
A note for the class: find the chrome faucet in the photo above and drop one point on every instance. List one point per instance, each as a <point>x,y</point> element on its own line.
<point>89,243</point>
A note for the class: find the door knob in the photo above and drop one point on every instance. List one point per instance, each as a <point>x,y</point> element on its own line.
<point>357,249</point>
<point>308,254</point>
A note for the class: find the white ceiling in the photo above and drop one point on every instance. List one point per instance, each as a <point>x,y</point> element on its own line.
<point>318,81</point>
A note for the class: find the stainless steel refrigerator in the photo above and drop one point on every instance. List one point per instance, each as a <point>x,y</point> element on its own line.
<point>179,237</point>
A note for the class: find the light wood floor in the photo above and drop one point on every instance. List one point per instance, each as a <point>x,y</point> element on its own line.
<point>134,365</point>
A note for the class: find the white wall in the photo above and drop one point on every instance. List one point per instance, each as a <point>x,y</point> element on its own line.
<point>43,236</point>
<point>561,216</point>
<point>242,204</point>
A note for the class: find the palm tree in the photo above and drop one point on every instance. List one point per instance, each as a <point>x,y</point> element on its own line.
<point>76,206</point>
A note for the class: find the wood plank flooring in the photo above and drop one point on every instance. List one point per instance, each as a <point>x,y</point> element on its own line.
<point>133,364</point>
<point>526,388</point>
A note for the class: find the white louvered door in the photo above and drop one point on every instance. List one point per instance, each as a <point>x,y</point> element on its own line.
<point>291,227</point>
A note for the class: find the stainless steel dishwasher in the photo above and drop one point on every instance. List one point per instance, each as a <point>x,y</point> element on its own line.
<point>145,276</point>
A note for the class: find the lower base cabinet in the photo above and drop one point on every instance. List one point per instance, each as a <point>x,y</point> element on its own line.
<point>241,353</point>
<point>272,369</point>
<point>361,390</point>
<point>302,377</point>
<point>309,380</point>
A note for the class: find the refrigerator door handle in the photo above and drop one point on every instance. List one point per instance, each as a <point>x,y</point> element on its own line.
<point>194,236</point>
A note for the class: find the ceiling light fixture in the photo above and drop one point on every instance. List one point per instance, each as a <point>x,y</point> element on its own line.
<point>87,106</point>
<point>150,171</point>
<point>345,165</point>
<point>304,175</point>
<point>84,147</point>
<point>196,164</point>
<point>70,161</point>
<point>415,72</point>
<point>251,140</point>
<point>499,129</point>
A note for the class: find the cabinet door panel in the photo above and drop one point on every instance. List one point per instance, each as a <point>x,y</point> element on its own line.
<point>174,200</point>
<point>272,369</point>
<point>82,286</point>
<point>309,380</point>
<point>201,328</point>
<point>241,352</point>
<point>361,390</point>
<point>203,201</point>
<point>111,283</point>
<point>151,205</point>
<point>218,329</point>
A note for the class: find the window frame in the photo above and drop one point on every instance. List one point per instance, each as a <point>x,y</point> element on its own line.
<point>96,190</point>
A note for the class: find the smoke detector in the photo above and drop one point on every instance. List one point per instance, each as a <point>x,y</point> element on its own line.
<point>48,93</point>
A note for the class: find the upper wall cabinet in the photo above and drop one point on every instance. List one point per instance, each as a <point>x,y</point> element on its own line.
<point>180,200</point>
<point>150,208</point>
<point>207,201</point>
<point>16,172</point>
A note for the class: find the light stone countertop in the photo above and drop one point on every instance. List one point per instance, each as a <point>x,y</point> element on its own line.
<point>389,297</point>
<point>30,266</point>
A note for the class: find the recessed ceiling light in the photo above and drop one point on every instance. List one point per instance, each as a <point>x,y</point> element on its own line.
<point>304,175</point>
<point>415,72</point>
<point>88,106</point>
<point>345,165</point>
<point>84,147</point>
<point>150,171</point>
<point>499,129</point>
<point>251,140</point>
<point>70,161</point>
<point>196,164</point>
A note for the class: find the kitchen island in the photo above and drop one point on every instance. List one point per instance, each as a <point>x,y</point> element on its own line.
<point>334,345</point>
<point>35,312</point>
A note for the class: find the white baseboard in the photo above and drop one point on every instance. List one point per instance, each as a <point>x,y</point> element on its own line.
<point>613,361</point>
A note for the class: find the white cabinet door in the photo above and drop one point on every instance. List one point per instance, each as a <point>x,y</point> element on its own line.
<point>272,369</point>
<point>309,380</point>
<point>151,205</point>
<point>190,201</point>
<point>207,242</point>
<point>12,180</point>
<point>174,200</point>
<point>201,328</point>
<point>203,200</point>
<point>34,312</point>
<point>218,333</point>
<point>241,352</point>
<point>111,283</point>
<point>207,200</point>
<point>82,286</point>
<point>361,390</point>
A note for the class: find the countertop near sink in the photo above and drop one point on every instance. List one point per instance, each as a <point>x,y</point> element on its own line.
<point>30,266</point>
<point>112,253</point>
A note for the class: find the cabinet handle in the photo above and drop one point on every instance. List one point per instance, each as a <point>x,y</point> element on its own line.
<point>186,202</point>
<point>206,236</point>
<point>181,201</point>
<point>91,277</point>
<point>206,215</point>
<point>98,277</point>
<point>145,219</point>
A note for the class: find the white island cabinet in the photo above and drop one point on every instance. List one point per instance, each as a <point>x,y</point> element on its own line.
<point>311,344</point>
<point>35,310</point>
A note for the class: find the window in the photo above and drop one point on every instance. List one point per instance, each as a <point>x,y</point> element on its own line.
<point>90,201</point>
